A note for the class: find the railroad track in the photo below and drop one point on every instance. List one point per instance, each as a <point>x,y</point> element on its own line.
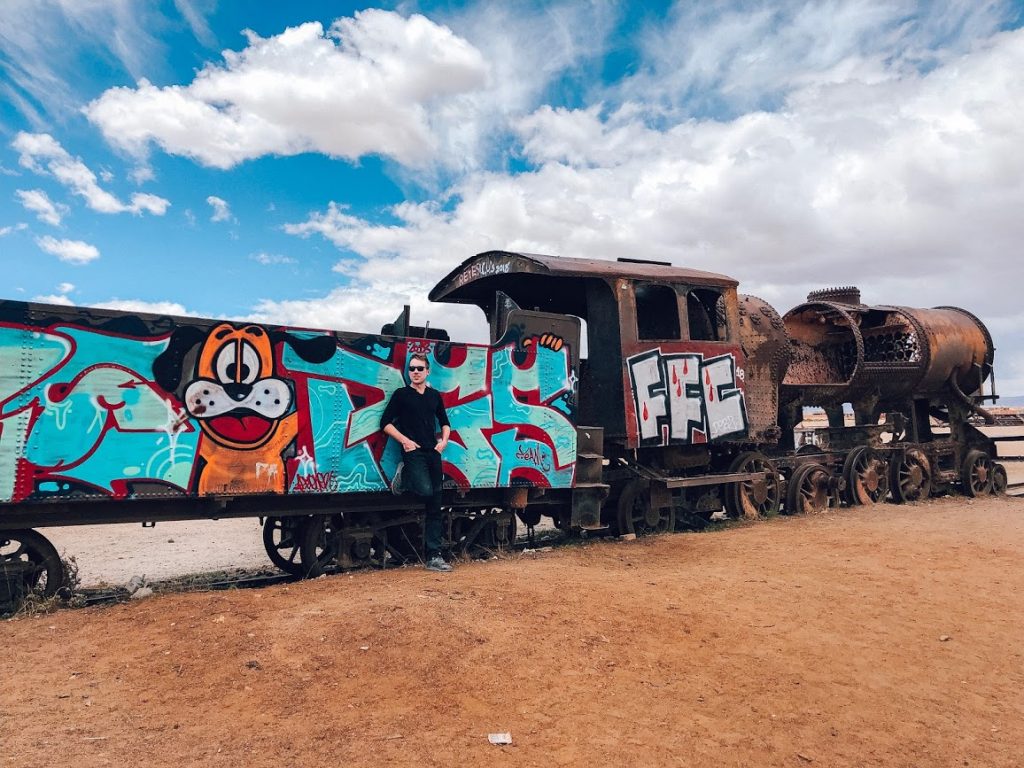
<point>1015,488</point>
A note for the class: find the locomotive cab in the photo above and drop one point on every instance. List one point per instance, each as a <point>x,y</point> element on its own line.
<point>663,364</point>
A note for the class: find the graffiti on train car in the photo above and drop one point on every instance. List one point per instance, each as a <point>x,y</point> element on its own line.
<point>243,404</point>
<point>240,408</point>
<point>684,397</point>
<point>506,404</point>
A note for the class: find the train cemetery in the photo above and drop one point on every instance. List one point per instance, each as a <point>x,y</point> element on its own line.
<point>847,593</point>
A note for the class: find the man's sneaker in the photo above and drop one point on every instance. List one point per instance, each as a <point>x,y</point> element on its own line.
<point>396,481</point>
<point>436,563</point>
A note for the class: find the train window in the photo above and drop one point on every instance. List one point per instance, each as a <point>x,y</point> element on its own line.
<point>705,311</point>
<point>657,312</point>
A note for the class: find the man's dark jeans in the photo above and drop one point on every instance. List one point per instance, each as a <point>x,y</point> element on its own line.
<point>422,476</point>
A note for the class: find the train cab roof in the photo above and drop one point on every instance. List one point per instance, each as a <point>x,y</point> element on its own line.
<point>557,283</point>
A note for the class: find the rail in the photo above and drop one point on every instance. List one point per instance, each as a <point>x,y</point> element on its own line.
<point>1015,488</point>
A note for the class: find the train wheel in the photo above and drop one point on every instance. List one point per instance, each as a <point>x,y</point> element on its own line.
<point>637,516</point>
<point>320,542</point>
<point>1000,481</point>
<point>754,498</point>
<point>976,473</point>
<point>866,475</point>
<point>911,476</point>
<point>45,574</point>
<point>282,538</point>
<point>808,490</point>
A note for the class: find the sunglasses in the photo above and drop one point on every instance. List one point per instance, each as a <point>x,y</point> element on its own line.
<point>417,368</point>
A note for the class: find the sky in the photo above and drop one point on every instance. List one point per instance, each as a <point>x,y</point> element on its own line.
<point>322,164</point>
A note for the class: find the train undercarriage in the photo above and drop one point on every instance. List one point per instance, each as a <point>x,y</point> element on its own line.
<point>850,466</point>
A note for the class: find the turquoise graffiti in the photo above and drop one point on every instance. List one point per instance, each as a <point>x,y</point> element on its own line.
<point>79,407</point>
<point>82,414</point>
<point>511,422</point>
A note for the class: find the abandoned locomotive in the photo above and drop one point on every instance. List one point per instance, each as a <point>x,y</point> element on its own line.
<point>683,407</point>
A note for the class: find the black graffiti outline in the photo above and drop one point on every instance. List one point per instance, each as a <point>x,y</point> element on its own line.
<point>726,392</point>
<point>689,390</point>
<point>660,388</point>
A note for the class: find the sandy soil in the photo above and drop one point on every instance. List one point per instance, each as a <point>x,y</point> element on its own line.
<point>113,554</point>
<point>888,636</point>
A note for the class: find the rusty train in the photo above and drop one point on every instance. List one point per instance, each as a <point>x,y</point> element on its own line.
<point>628,396</point>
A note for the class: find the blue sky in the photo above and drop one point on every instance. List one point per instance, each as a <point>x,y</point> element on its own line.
<point>324,163</point>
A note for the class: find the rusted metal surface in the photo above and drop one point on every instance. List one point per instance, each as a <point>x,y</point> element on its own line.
<point>664,364</point>
<point>958,344</point>
<point>768,353</point>
<point>854,353</point>
<point>466,283</point>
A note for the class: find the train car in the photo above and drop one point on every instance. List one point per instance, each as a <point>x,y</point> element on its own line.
<point>628,396</point>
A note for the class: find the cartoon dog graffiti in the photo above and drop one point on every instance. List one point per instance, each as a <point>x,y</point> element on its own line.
<point>244,409</point>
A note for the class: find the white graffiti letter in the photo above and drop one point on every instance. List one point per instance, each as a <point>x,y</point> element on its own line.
<point>648,393</point>
<point>723,400</point>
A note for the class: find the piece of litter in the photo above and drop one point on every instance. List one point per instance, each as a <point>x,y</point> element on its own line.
<point>499,738</point>
<point>364,647</point>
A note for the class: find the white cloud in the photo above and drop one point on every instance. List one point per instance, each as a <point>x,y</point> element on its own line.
<point>150,307</point>
<point>141,174</point>
<point>37,201</point>
<point>41,153</point>
<point>736,56</point>
<point>269,259</point>
<point>195,14</point>
<point>366,308</point>
<point>221,209</point>
<point>54,298</point>
<point>909,185</point>
<point>44,42</point>
<point>369,85</point>
<point>4,231</point>
<point>121,305</point>
<point>71,251</point>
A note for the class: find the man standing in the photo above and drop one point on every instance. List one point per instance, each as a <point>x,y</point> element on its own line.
<point>410,418</point>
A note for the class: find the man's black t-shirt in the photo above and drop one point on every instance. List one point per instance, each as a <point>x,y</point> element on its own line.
<point>414,414</point>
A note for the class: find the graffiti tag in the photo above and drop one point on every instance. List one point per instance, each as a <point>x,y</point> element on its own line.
<point>318,482</point>
<point>685,398</point>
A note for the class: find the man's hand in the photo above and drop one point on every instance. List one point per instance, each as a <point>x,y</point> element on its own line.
<point>410,445</point>
<point>441,445</point>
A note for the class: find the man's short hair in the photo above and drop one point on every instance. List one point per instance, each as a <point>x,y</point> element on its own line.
<point>420,356</point>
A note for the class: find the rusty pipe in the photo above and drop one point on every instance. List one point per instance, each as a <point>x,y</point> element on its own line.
<point>969,402</point>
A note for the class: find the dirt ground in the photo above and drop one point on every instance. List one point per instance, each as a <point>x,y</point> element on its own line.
<point>888,636</point>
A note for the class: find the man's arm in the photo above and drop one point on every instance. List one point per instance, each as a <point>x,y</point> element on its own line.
<point>387,425</point>
<point>407,445</point>
<point>442,419</point>
<point>443,442</point>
